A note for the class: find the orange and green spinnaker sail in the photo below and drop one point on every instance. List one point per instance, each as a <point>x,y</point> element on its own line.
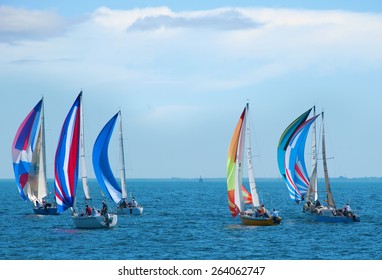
<point>234,167</point>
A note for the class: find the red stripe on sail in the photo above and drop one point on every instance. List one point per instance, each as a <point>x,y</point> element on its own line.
<point>231,204</point>
<point>23,179</point>
<point>299,172</point>
<point>73,154</point>
<point>246,195</point>
<point>292,183</point>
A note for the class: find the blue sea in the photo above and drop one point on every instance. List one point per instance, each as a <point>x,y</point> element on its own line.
<point>187,220</point>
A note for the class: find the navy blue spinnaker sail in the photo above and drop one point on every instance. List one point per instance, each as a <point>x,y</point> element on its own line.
<point>66,162</point>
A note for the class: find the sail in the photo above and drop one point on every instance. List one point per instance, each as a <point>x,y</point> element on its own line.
<point>251,176</point>
<point>312,194</point>
<point>246,196</point>
<point>326,175</point>
<point>24,144</point>
<point>296,175</point>
<point>285,139</point>
<point>122,158</point>
<point>37,174</point>
<point>101,163</point>
<point>84,176</point>
<point>66,162</point>
<point>235,167</point>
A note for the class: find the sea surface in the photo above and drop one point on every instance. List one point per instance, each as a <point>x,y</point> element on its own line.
<point>189,220</point>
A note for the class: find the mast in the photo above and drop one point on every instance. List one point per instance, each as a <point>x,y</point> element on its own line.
<point>122,158</point>
<point>312,190</point>
<point>251,176</point>
<point>82,155</point>
<point>328,190</point>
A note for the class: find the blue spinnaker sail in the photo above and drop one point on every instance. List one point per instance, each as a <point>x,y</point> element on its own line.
<point>296,175</point>
<point>285,139</point>
<point>101,165</point>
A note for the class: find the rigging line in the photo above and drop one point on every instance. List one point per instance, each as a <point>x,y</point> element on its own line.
<point>326,158</point>
<point>259,165</point>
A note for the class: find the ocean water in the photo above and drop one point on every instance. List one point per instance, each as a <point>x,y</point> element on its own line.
<point>188,220</point>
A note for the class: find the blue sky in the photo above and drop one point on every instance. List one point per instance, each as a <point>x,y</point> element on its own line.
<point>182,71</point>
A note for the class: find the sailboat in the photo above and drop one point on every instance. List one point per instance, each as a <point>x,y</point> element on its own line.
<point>200,179</point>
<point>70,155</point>
<point>301,186</point>
<point>240,201</point>
<point>105,175</point>
<point>29,163</point>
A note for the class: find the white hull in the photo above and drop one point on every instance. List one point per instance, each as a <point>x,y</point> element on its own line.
<point>130,210</point>
<point>98,221</point>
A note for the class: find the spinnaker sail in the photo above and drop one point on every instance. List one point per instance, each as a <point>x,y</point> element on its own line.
<point>101,165</point>
<point>66,163</point>
<point>235,167</point>
<point>285,139</point>
<point>25,142</point>
<point>296,174</point>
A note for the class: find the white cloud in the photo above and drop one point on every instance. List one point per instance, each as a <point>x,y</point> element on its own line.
<point>247,41</point>
<point>222,19</point>
<point>122,19</point>
<point>162,17</point>
<point>217,49</point>
<point>20,24</point>
<point>191,52</point>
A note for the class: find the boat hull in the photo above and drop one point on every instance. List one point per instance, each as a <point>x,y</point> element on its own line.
<point>327,216</point>
<point>130,210</point>
<point>92,222</point>
<point>46,211</point>
<point>259,221</point>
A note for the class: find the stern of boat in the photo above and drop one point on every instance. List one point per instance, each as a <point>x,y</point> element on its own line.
<point>46,211</point>
<point>130,210</point>
<point>95,221</point>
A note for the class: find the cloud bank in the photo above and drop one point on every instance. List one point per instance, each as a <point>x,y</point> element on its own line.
<point>220,20</point>
<point>22,24</point>
<point>243,46</point>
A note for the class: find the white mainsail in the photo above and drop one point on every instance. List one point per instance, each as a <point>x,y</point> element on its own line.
<point>82,158</point>
<point>251,176</point>
<point>312,194</point>
<point>326,175</point>
<point>122,158</point>
<point>37,175</point>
